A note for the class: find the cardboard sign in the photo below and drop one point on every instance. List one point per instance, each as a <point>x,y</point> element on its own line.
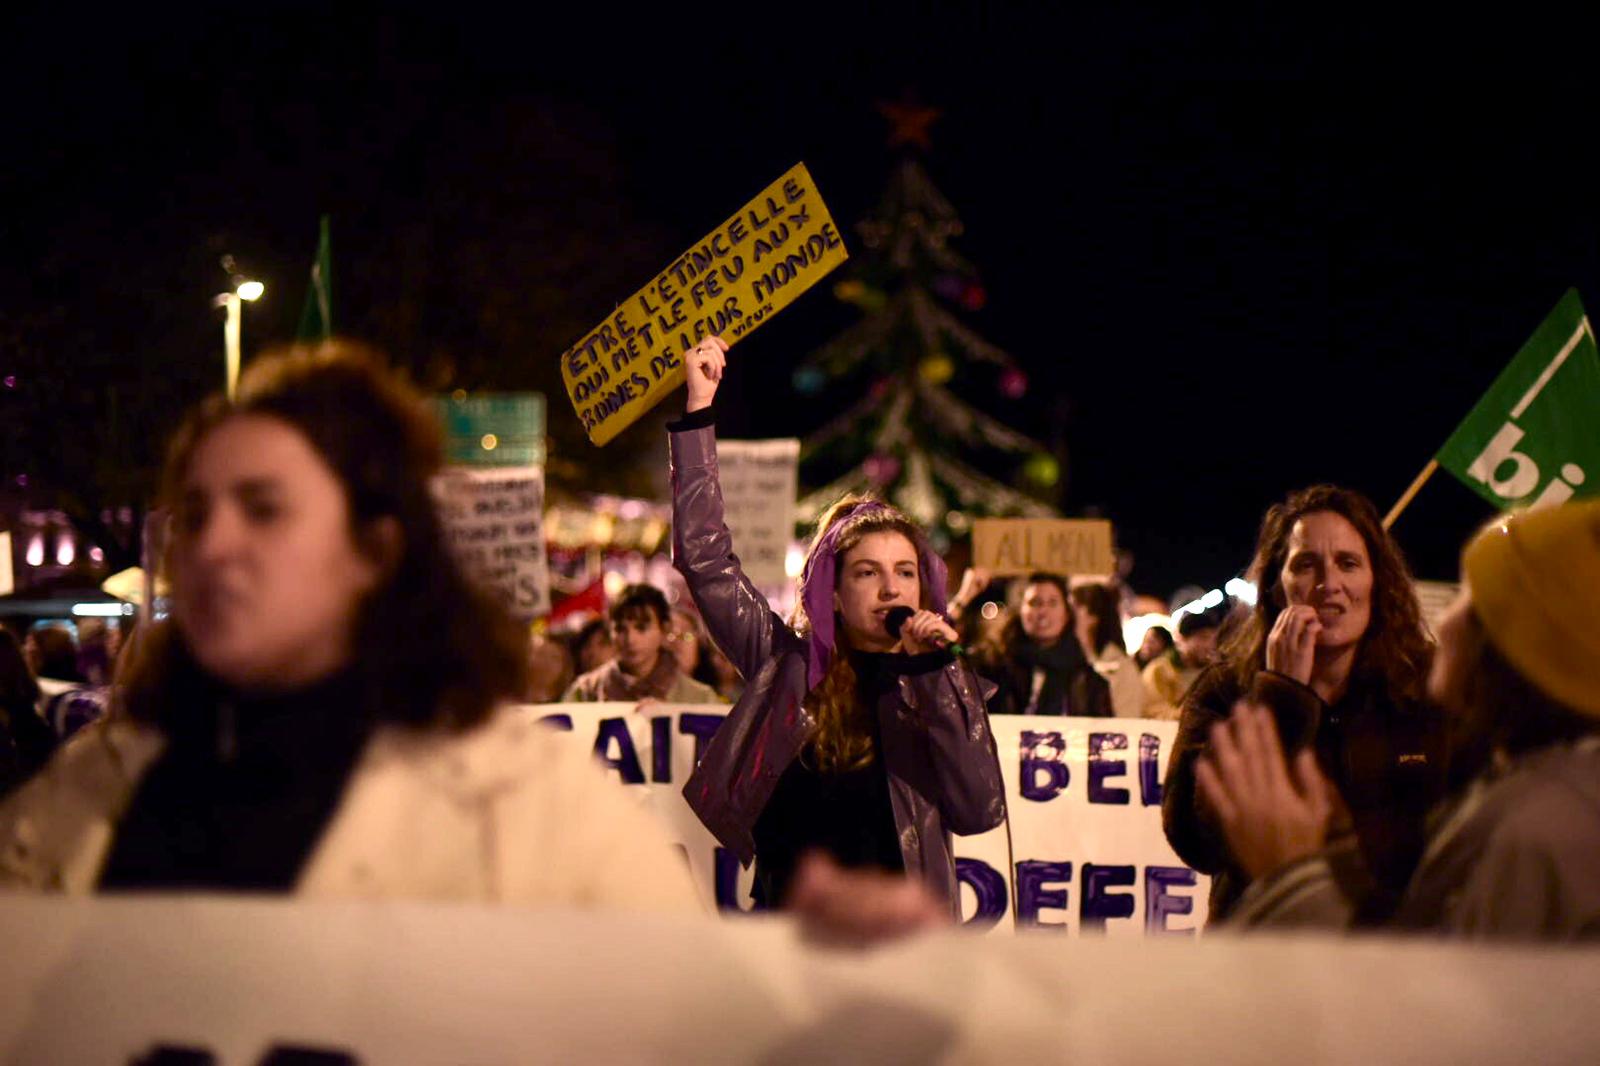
<point>494,525</point>
<point>1068,546</point>
<point>760,480</point>
<point>731,281</point>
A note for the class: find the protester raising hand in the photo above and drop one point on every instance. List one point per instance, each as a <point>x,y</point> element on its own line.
<point>1292,644</point>
<point>705,363</point>
<point>1270,816</point>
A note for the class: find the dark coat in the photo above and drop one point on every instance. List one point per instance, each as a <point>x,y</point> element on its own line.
<point>1385,756</point>
<point>1072,686</point>
<point>937,749</point>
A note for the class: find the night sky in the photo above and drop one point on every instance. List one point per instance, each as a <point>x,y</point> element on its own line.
<point>1230,265</point>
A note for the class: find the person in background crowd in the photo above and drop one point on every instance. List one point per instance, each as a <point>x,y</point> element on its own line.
<point>723,675</point>
<point>700,658</point>
<point>1156,643</point>
<point>645,667</point>
<point>26,741</point>
<point>867,744</point>
<point>1168,677</point>
<point>549,668</point>
<point>1037,662</point>
<point>1335,646</point>
<point>1514,852</point>
<point>686,641</point>
<point>326,710</point>
<point>592,647</point>
<point>1099,628</point>
<point>52,655</point>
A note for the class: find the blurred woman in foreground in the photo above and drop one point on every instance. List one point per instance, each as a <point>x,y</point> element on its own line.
<point>1515,851</point>
<point>324,711</point>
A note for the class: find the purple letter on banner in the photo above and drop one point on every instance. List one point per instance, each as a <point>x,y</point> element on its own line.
<point>1053,767</point>
<point>1102,767</point>
<point>1159,905</point>
<point>626,760</point>
<point>990,887</point>
<point>701,727</point>
<point>725,879</point>
<point>1096,904</point>
<point>661,750</point>
<point>1032,876</point>
<point>1149,782</point>
<point>561,723</point>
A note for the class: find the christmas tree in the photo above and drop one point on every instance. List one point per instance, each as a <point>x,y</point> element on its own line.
<point>911,439</point>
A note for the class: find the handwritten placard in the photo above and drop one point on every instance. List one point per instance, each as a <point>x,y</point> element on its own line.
<point>730,282</point>
<point>760,479</point>
<point>494,525</point>
<point>1055,545</point>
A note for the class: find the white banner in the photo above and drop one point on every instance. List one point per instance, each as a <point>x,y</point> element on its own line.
<point>236,981</point>
<point>1085,850</point>
<point>760,481</point>
<point>494,525</point>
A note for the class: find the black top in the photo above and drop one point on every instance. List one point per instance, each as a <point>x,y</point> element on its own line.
<point>242,793</point>
<point>846,814</point>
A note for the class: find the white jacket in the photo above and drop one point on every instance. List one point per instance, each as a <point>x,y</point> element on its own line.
<point>509,812</point>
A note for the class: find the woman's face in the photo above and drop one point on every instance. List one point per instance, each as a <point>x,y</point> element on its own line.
<point>684,639</point>
<point>1326,567</point>
<point>1044,612</point>
<point>267,579</point>
<point>596,651</point>
<point>880,572</point>
<point>1447,677</point>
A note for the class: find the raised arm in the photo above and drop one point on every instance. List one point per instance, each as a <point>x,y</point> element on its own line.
<point>736,614</point>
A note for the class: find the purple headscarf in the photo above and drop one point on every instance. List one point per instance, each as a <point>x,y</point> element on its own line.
<point>817,586</point>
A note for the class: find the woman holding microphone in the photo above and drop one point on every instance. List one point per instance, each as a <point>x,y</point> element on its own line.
<point>859,735</point>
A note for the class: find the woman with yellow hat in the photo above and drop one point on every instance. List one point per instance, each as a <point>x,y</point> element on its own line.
<point>1515,850</point>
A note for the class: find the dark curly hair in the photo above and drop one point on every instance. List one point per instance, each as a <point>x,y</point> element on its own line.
<point>429,648</point>
<point>1395,648</point>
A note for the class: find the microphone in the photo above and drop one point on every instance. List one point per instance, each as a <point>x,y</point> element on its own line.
<point>895,619</point>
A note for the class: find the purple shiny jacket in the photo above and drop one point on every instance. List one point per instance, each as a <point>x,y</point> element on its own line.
<point>937,749</point>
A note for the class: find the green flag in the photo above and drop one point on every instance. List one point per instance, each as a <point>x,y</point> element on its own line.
<point>316,317</point>
<point>1534,438</point>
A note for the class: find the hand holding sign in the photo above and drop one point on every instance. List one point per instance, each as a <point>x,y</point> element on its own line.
<point>704,366</point>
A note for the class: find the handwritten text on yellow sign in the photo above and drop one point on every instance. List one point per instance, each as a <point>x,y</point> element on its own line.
<point>745,271</point>
<point>1056,545</point>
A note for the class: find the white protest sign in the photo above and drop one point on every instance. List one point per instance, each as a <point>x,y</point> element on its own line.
<point>1435,597</point>
<point>1083,795</point>
<point>760,480</point>
<point>493,521</point>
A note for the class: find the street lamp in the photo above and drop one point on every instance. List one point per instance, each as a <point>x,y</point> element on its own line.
<point>243,289</point>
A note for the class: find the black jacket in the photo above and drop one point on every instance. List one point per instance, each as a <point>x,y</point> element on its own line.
<point>1386,756</point>
<point>1071,686</point>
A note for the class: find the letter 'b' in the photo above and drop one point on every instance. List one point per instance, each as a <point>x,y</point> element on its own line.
<point>1501,449</point>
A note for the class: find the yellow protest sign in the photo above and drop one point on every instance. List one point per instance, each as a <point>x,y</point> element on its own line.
<point>1055,545</point>
<point>731,281</point>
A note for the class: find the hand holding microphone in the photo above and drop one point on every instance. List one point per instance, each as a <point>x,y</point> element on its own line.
<point>922,631</point>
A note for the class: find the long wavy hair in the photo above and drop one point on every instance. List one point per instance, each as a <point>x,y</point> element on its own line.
<point>843,739</point>
<point>429,648</point>
<point>1395,647</point>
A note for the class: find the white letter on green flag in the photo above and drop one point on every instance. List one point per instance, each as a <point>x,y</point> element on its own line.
<point>1534,438</point>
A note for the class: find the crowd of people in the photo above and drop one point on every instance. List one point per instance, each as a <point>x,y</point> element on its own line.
<point>331,708</point>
